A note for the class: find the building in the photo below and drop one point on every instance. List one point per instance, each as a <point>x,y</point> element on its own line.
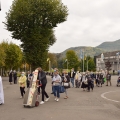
<point>113,57</point>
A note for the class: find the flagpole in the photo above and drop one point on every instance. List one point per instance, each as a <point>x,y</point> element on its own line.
<point>87,64</point>
<point>49,65</point>
<point>67,66</point>
<point>83,60</point>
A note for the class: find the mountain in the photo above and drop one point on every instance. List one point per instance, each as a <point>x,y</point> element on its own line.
<point>110,46</point>
<point>88,51</point>
<point>93,51</point>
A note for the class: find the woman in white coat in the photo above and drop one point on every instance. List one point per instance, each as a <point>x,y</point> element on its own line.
<point>1,92</point>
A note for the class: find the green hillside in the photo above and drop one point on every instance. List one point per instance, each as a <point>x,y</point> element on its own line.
<point>93,51</point>
<point>110,46</point>
<point>88,51</point>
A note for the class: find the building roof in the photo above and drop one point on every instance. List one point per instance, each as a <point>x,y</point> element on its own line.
<point>108,54</point>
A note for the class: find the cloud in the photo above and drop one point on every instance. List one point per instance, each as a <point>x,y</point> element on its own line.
<point>90,22</point>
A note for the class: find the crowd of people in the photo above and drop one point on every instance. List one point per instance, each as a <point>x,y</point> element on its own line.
<point>61,82</point>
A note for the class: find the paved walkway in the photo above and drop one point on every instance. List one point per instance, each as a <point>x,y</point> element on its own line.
<point>80,105</point>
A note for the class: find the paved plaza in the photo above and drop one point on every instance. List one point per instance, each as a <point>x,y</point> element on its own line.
<point>101,104</point>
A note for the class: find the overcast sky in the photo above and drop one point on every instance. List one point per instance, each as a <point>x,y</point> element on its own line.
<point>90,22</point>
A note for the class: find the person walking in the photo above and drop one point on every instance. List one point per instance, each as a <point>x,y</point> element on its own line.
<point>84,81</point>
<point>72,75</point>
<point>10,77</point>
<point>28,76</point>
<point>90,83</point>
<point>15,77</point>
<point>77,79</point>
<point>22,84</point>
<point>101,79</point>
<point>56,85</point>
<point>108,78</point>
<point>66,84</point>
<point>43,82</point>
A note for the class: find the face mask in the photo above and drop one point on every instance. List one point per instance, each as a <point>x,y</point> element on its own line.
<point>22,74</point>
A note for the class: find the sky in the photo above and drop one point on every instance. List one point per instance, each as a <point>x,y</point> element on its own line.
<point>89,23</point>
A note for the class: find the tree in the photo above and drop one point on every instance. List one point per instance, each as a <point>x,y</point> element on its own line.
<point>72,60</point>
<point>32,22</point>
<point>53,60</point>
<point>91,65</point>
<point>13,56</point>
<point>88,63</point>
<point>3,47</point>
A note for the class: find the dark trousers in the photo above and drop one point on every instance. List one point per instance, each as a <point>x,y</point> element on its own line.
<point>44,92</point>
<point>22,90</point>
<point>97,82</point>
<point>15,80</point>
<point>90,85</point>
<point>100,82</point>
<point>39,90</point>
<point>109,82</point>
<point>77,83</point>
<point>28,84</point>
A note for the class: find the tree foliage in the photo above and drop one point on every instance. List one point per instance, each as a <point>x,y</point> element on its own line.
<point>32,22</point>
<point>3,47</point>
<point>53,60</point>
<point>88,63</point>
<point>72,60</point>
<point>11,55</point>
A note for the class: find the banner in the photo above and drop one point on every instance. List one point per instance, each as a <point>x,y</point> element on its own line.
<point>1,92</point>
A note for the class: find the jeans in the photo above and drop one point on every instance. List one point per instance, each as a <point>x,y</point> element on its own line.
<point>66,92</point>
<point>72,81</point>
<point>56,90</point>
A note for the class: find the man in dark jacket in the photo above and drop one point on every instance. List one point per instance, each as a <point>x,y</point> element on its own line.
<point>108,77</point>
<point>72,75</point>
<point>43,81</point>
<point>28,76</point>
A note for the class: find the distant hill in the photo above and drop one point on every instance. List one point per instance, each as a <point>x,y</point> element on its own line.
<point>110,46</point>
<point>89,51</point>
<point>93,51</point>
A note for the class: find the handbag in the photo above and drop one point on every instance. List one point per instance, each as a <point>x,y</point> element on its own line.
<point>55,84</point>
<point>85,82</point>
<point>66,84</point>
<point>62,89</point>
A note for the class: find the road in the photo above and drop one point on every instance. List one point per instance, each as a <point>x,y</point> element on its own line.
<point>103,103</point>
